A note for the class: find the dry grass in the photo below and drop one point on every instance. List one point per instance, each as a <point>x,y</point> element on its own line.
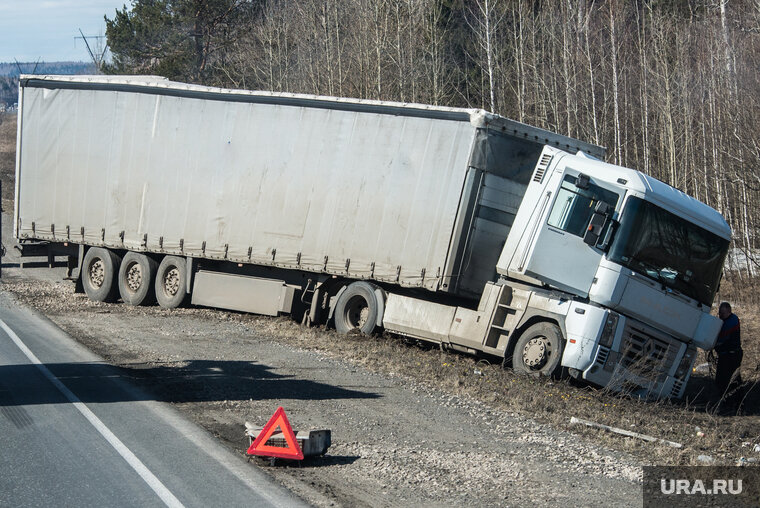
<point>7,157</point>
<point>7,132</point>
<point>744,296</point>
<point>555,402</point>
<point>548,401</point>
<point>725,436</point>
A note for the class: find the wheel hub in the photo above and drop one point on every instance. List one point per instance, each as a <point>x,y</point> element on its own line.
<point>363,315</point>
<point>134,277</point>
<point>171,282</point>
<point>357,312</point>
<point>97,273</point>
<point>535,352</point>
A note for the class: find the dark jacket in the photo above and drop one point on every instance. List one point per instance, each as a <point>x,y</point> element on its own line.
<point>729,337</point>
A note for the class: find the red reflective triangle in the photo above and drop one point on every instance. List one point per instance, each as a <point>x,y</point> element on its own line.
<point>291,451</point>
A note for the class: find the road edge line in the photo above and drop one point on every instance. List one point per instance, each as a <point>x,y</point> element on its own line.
<point>136,464</point>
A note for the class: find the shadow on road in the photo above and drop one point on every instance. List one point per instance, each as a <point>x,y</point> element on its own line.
<point>194,381</point>
<point>310,462</point>
<point>33,264</point>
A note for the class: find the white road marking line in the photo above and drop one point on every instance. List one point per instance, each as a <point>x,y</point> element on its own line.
<point>154,483</point>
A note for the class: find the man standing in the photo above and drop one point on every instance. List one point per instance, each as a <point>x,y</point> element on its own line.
<point>729,350</point>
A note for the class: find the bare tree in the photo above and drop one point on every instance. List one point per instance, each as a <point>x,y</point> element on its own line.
<point>484,20</point>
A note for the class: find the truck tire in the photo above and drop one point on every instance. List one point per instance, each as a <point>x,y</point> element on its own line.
<point>357,308</point>
<point>538,351</point>
<point>171,282</point>
<point>136,276</point>
<point>100,271</point>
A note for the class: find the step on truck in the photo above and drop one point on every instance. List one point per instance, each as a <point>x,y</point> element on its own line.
<point>454,226</point>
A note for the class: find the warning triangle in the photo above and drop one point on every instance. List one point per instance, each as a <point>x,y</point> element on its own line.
<point>290,451</point>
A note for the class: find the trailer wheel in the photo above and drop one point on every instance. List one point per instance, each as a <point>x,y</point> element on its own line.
<point>136,276</point>
<point>357,308</point>
<point>100,271</point>
<point>538,351</point>
<point>171,282</point>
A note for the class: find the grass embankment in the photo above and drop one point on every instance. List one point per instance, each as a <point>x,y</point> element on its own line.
<point>694,421</point>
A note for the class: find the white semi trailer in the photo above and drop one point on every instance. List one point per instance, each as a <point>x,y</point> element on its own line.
<point>455,226</point>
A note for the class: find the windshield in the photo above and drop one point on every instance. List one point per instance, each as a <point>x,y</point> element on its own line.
<point>671,250</point>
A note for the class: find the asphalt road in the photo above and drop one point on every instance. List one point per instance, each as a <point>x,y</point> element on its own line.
<point>76,433</point>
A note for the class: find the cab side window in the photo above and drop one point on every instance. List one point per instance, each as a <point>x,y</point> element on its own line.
<point>574,206</point>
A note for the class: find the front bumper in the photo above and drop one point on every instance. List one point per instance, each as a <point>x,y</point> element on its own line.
<point>642,362</point>
<point>609,372</point>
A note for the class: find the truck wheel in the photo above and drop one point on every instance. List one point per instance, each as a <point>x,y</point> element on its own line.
<point>538,351</point>
<point>136,277</point>
<point>171,282</point>
<point>357,309</point>
<point>100,270</point>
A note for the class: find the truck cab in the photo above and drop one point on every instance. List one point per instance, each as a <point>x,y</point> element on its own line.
<point>639,260</point>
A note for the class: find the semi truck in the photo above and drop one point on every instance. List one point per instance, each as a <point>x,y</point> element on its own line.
<point>449,225</point>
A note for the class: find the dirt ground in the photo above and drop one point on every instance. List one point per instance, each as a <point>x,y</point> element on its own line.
<point>411,424</point>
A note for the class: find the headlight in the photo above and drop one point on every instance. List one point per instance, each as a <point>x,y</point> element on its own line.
<point>686,361</point>
<point>610,327</point>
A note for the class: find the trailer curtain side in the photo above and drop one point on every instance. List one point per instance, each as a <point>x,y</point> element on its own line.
<point>355,193</point>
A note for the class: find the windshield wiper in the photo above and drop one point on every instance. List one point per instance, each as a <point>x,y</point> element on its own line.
<point>676,285</point>
<point>651,267</point>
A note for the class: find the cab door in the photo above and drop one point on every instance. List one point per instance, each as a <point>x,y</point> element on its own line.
<point>560,257</point>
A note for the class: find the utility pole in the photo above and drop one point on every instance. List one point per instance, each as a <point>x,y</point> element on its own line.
<point>98,55</point>
<point>18,66</point>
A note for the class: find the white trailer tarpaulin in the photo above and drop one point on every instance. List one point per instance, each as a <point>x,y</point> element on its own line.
<point>324,185</point>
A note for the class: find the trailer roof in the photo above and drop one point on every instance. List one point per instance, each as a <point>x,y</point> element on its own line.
<point>161,86</point>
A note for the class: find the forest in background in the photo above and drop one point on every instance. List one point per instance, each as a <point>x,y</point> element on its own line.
<point>670,87</point>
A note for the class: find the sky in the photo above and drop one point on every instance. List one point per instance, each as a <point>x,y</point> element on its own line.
<point>45,29</point>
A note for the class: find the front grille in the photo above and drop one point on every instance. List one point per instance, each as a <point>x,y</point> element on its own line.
<point>676,391</point>
<point>645,355</point>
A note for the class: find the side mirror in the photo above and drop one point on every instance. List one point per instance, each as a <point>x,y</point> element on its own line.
<point>596,224</point>
<point>604,244</point>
